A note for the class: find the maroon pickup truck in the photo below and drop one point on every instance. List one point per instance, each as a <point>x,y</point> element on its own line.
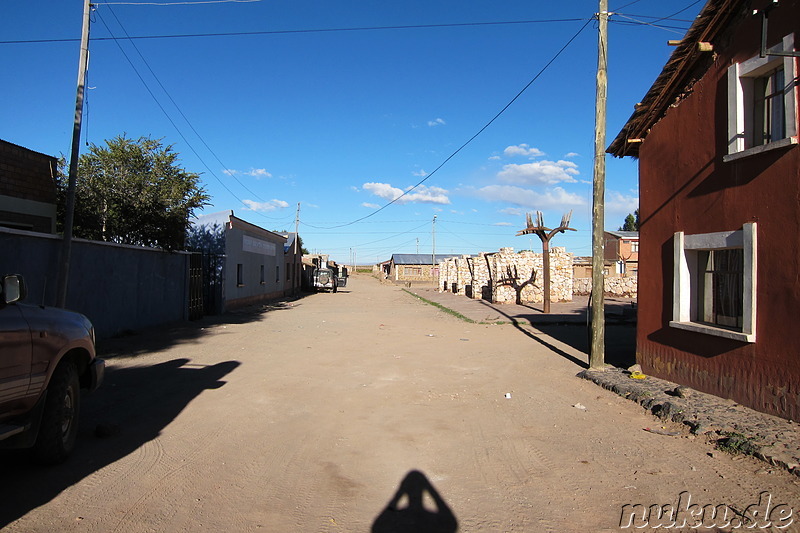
<point>47,356</point>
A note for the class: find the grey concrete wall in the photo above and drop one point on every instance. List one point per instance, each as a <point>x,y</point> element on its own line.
<point>118,287</point>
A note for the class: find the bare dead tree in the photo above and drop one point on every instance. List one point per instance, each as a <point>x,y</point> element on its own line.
<point>545,234</point>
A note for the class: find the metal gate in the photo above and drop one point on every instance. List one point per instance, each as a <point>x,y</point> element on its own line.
<point>206,273</point>
<point>196,306</point>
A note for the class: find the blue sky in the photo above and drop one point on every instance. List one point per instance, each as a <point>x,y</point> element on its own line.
<point>342,106</point>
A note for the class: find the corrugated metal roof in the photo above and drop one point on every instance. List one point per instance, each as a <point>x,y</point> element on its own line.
<point>624,234</point>
<point>419,259</point>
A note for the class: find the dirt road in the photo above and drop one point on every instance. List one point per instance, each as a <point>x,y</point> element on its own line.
<point>309,415</point>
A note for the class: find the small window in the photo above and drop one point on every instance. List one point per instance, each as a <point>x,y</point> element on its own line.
<point>635,247</point>
<point>262,279</point>
<point>277,274</point>
<point>239,275</point>
<point>288,272</point>
<point>769,111</point>
<point>714,285</point>
<point>762,112</point>
<point>719,287</point>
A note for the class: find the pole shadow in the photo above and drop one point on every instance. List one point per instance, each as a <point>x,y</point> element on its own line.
<point>406,512</point>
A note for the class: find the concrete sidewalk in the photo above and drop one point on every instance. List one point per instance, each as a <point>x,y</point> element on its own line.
<point>617,310</point>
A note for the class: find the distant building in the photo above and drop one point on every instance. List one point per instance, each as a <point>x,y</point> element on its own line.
<point>621,252</point>
<point>258,264</point>
<point>415,267</point>
<point>27,189</point>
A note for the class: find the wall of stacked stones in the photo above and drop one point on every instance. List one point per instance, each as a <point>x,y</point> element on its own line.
<point>508,277</point>
<point>621,287</point>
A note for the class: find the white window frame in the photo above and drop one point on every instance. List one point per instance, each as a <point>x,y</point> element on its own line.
<point>685,276</point>
<point>741,78</point>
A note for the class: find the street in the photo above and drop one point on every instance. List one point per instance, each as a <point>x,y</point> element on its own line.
<point>308,415</point>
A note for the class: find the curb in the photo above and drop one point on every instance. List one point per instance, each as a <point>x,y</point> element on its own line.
<point>743,430</point>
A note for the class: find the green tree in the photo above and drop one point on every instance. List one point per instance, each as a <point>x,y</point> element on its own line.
<point>206,238</point>
<point>631,222</point>
<point>133,191</point>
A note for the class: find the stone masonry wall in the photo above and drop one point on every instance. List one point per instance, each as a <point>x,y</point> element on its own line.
<point>621,287</point>
<point>508,277</point>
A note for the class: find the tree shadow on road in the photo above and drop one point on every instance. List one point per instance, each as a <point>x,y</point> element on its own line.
<point>131,408</point>
<point>407,512</point>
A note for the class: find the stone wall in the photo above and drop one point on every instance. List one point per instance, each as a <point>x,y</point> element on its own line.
<point>508,277</point>
<point>621,287</point>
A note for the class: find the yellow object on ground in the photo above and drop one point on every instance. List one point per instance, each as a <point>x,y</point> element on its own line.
<point>637,375</point>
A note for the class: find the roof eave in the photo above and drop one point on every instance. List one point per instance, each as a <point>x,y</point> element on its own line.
<point>674,77</point>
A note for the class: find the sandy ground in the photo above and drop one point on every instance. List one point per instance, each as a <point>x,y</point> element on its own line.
<point>313,415</point>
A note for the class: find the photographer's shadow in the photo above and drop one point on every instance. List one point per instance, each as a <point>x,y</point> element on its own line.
<point>407,513</point>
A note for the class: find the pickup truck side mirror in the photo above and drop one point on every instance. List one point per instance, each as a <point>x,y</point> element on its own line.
<point>13,288</point>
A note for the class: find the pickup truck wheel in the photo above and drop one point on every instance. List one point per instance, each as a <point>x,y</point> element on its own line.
<point>59,426</point>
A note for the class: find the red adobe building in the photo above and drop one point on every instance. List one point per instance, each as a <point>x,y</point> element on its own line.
<point>719,179</point>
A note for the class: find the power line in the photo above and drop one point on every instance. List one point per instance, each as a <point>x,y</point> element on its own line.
<point>176,3</point>
<point>632,21</point>
<point>300,31</point>
<point>174,125</point>
<point>485,126</point>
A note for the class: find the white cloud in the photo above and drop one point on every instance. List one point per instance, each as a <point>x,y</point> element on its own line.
<point>254,172</point>
<point>514,211</point>
<point>420,173</point>
<point>495,158</point>
<point>556,197</point>
<point>539,172</point>
<point>502,224</point>
<point>272,205</point>
<point>522,150</point>
<point>572,154</point>
<point>422,194</point>
<point>371,206</point>
<point>618,203</point>
<point>437,122</point>
<point>258,173</point>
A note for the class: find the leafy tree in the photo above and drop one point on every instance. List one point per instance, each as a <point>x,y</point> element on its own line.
<point>133,191</point>
<point>631,222</point>
<point>303,249</point>
<point>206,238</point>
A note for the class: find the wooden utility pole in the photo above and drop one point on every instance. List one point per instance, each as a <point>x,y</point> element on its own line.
<point>545,234</point>
<point>597,350</point>
<point>433,245</point>
<point>69,218</point>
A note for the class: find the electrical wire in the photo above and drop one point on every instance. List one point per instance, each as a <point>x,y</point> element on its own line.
<point>464,145</point>
<point>185,118</point>
<point>678,31</point>
<point>175,126</point>
<point>300,31</point>
<point>176,3</point>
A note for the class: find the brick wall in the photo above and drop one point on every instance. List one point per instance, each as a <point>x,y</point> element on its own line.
<point>26,174</point>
